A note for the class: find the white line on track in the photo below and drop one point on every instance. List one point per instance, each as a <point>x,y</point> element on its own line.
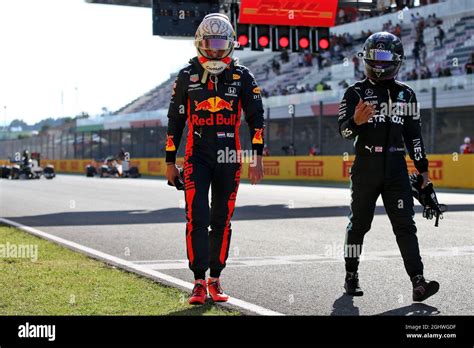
<point>312,258</point>
<point>135,268</point>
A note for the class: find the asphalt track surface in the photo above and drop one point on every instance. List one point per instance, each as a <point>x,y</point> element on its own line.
<point>286,249</point>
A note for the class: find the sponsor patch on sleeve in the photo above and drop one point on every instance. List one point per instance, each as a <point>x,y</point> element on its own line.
<point>169,143</point>
<point>258,138</point>
<point>346,133</point>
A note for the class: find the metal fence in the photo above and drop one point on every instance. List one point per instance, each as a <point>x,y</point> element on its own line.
<point>140,142</point>
<point>443,131</point>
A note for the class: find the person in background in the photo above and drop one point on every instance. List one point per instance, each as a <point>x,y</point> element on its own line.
<point>319,59</point>
<point>470,64</point>
<point>289,150</point>
<point>276,67</point>
<point>292,150</point>
<point>423,53</point>
<point>285,58</point>
<point>416,54</point>
<point>300,60</point>
<point>308,58</point>
<point>26,158</point>
<point>313,150</point>
<point>319,86</point>
<point>466,148</point>
<point>123,162</point>
<point>440,37</point>
<point>437,21</point>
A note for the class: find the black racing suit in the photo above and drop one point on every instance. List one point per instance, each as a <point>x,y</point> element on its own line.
<point>380,167</point>
<point>212,110</point>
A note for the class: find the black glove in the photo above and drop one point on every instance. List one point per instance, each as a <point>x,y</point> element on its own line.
<point>179,180</point>
<point>427,198</point>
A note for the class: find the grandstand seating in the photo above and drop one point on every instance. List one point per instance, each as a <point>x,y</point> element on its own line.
<point>458,43</point>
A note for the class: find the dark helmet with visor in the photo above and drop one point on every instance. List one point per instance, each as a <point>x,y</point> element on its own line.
<point>383,55</point>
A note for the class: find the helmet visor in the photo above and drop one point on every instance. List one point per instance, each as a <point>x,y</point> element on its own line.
<point>214,43</point>
<point>382,55</point>
<point>215,47</point>
<point>380,64</point>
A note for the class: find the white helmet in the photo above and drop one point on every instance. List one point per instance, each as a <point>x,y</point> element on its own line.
<point>215,40</point>
<point>467,140</point>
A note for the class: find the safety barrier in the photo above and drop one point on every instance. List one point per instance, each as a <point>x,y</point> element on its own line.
<point>450,171</point>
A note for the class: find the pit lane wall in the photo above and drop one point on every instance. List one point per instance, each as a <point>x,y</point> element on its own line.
<point>450,171</point>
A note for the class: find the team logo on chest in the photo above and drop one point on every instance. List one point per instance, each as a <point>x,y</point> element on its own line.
<point>214,104</point>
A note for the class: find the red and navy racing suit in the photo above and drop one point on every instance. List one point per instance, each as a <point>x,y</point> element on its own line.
<point>212,111</point>
<point>380,168</point>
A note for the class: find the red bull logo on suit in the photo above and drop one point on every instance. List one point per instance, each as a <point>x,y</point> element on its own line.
<point>214,104</point>
<point>214,119</point>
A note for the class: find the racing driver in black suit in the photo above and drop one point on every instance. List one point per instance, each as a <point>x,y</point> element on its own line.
<point>209,95</point>
<point>382,116</point>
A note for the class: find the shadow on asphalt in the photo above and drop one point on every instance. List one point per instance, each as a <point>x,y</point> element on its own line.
<point>415,309</point>
<point>194,311</point>
<point>176,215</point>
<point>344,305</point>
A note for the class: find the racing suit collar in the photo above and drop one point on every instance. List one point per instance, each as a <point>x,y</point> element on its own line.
<point>384,83</point>
<point>226,74</point>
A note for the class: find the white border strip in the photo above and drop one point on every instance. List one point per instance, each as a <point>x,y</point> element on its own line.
<point>131,267</point>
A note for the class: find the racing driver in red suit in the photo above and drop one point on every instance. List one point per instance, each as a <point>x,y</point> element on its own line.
<point>209,95</point>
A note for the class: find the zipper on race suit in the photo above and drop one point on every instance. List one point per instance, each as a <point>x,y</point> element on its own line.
<point>389,105</point>
<point>214,79</point>
<point>387,135</point>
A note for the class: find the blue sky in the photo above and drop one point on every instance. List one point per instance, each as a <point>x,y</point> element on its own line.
<point>94,55</point>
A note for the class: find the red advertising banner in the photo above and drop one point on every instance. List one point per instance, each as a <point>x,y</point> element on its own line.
<point>310,168</point>
<point>307,13</point>
<point>154,166</point>
<point>271,167</point>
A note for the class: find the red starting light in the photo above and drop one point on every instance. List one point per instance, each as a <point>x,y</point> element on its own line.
<point>323,44</point>
<point>284,42</point>
<point>243,40</point>
<point>263,41</point>
<point>304,42</point>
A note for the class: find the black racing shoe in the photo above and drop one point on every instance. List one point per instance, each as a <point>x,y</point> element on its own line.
<point>423,289</point>
<point>352,284</point>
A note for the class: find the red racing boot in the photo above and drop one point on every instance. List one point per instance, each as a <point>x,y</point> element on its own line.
<point>215,290</point>
<point>199,295</point>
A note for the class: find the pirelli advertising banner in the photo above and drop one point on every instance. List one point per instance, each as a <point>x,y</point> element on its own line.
<point>451,171</point>
<point>454,171</point>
